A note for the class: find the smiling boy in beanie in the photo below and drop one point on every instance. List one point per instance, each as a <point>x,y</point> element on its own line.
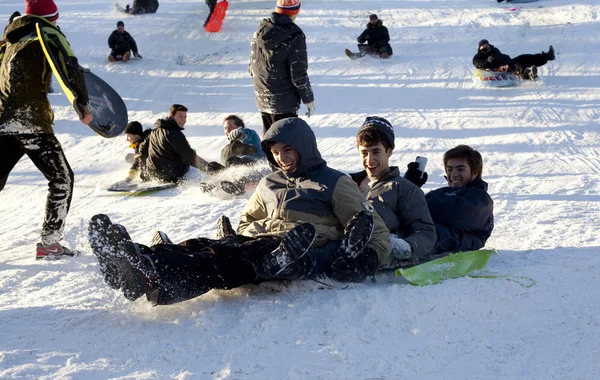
<point>279,64</point>
<point>26,116</point>
<point>400,204</point>
<point>135,135</point>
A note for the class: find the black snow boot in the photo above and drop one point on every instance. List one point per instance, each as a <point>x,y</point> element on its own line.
<point>224,228</point>
<point>99,238</point>
<point>550,54</point>
<point>160,237</point>
<point>292,248</point>
<point>357,234</point>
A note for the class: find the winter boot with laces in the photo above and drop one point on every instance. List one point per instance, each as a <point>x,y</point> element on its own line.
<point>292,248</point>
<point>160,237</point>
<point>100,241</point>
<point>550,54</point>
<point>224,228</point>
<point>357,235</point>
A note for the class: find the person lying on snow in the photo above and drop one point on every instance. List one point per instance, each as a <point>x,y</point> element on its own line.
<point>488,57</point>
<point>305,220</point>
<point>377,40</point>
<point>399,202</point>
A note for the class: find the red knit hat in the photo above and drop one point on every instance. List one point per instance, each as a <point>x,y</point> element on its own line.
<point>42,8</point>
<point>288,7</point>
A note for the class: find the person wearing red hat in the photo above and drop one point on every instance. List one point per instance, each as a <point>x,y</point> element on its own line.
<point>26,116</point>
<point>279,64</point>
<point>377,40</point>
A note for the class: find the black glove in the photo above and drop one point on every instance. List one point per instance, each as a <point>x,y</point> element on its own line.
<point>413,174</point>
<point>214,167</point>
<point>137,55</point>
<point>355,270</point>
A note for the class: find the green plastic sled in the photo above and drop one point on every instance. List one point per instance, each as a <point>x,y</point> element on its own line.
<point>452,266</point>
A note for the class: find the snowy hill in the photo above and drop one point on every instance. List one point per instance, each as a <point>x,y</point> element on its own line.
<point>541,147</point>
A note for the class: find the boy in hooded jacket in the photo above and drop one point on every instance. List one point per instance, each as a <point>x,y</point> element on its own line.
<point>377,40</point>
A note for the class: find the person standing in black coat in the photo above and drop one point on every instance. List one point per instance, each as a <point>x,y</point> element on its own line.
<point>489,57</point>
<point>168,155</point>
<point>122,44</point>
<point>377,40</point>
<point>279,64</point>
<point>211,8</point>
<point>463,211</point>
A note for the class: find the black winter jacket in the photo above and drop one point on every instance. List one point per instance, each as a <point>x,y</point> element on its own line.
<point>25,76</point>
<point>375,35</point>
<point>168,154</point>
<point>279,65</point>
<point>463,216</point>
<point>122,42</point>
<point>144,6</point>
<point>491,59</point>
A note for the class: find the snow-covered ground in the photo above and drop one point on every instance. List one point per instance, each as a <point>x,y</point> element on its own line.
<point>541,146</point>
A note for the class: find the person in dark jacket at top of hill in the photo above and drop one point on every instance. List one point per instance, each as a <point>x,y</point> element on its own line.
<point>305,220</point>
<point>377,40</point>
<point>135,134</point>
<point>141,6</point>
<point>399,202</point>
<point>211,8</point>
<point>26,116</point>
<point>122,44</point>
<point>279,65</point>
<point>488,57</point>
<point>463,212</point>
<point>168,155</point>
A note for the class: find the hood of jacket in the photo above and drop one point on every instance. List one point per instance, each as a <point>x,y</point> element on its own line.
<point>275,30</point>
<point>24,25</point>
<point>167,123</point>
<point>297,134</point>
<point>378,25</point>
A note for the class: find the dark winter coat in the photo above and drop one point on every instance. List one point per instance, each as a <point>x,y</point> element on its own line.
<point>490,59</point>
<point>122,42</point>
<point>144,6</point>
<point>403,209</point>
<point>463,216</point>
<point>312,193</point>
<point>168,154</point>
<point>246,147</point>
<point>25,76</point>
<point>376,35</point>
<point>279,65</point>
<point>210,1</point>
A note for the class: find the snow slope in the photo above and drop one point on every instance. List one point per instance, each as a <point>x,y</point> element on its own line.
<point>540,142</point>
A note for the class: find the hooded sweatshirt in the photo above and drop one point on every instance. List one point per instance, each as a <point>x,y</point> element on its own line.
<point>279,65</point>
<point>312,193</point>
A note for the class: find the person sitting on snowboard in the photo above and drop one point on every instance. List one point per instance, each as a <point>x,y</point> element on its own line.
<point>377,40</point>
<point>141,6</point>
<point>166,152</point>
<point>463,212</point>
<point>121,44</point>
<point>525,66</point>
<point>304,221</point>
<point>399,202</point>
<point>135,135</point>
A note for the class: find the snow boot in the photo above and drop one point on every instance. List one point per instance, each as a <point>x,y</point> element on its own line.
<point>233,188</point>
<point>292,248</point>
<point>111,59</point>
<point>52,251</point>
<point>550,56</point>
<point>99,238</point>
<point>530,73</point>
<point>138,276</point>
<point>127,56</point>
<point>206,187</point>
<point>352,55</point>
<point>160,237</point>
<point>224,228</point>
<point>357,234</point>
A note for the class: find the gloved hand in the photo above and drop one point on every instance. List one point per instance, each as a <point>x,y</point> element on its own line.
<point>131,175</point>
<point>401,249</point>
<point>362,39</point>
<point>355,270</point>
<point>413,174</point>
<point>239,133</point>
<point>311,108</point>
<point>137,55</point>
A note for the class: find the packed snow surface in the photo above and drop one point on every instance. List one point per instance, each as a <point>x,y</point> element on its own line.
<point>541,147</point>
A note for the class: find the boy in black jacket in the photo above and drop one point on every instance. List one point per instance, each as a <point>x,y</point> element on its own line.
<point>377,40</point>
<point>122,44</point>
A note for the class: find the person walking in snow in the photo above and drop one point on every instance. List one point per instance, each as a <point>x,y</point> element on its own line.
<point>279,66</point>
<point>377,40</point>
<point>26,116</point>
<point>121,44</point>
<point>399,202</point>
<point>488,57</point>
<point>211,8</point>
<point>302,202</point>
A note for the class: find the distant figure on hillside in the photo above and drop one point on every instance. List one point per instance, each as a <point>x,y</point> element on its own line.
<point>122,44</point>
<point>211,8</point>
<point>279,64</point>
<point>135,135</point>
<point>488,57</point>
<point>141,7</point>
<point>167,153</point>
<point>377,40</point>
